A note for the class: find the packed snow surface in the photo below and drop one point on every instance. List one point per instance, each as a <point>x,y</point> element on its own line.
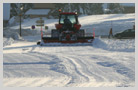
<point>106,63</point>
<point>103,63</point>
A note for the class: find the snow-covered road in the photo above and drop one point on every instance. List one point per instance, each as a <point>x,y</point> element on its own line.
<point>108,62</point>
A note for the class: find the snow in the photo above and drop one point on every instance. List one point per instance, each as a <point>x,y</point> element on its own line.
<point>70,66</point>
<point>6,11</point>
<point>104,63</point>
<point>37,12</point>
<point>114,45</point>
<point>101,23</point>
<point>12,20</point>
<point>12,35</point>
<point>7,41</point>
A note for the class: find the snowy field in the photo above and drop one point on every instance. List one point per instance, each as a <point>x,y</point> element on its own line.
<point>101,23</point>
<point>104,63</point>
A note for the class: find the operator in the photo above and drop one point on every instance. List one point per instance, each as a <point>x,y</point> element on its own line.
<point>67,23</point>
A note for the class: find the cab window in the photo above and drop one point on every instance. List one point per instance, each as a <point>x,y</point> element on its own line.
<point>72,18</point>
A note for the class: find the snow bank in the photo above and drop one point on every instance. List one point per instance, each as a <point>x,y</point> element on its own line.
<point>7,41</point>
<point>122,45</point>
<point>10,35</point>
<point>24,32</point>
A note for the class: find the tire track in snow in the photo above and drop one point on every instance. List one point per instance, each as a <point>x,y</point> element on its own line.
<point>75,72</point>
<point>71,61</point>
<point>80,77</point>
<point>86,72</point>
<point>87,69</point>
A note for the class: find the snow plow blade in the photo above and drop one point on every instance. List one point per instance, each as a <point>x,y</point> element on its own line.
<point>47,41</point>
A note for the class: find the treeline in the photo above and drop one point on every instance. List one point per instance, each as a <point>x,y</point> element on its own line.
<point>94,8</point>
<point>80,8</point>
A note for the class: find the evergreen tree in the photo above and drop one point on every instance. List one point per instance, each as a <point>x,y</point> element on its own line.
<point>98,8</point>
<point>55,11</point>
<point>81,8</point>
<point>115,8</point>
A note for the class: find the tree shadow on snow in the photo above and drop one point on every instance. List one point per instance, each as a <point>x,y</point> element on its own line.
<point>119,68</point>
<point>29,63</point>
<point>19,47</point>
